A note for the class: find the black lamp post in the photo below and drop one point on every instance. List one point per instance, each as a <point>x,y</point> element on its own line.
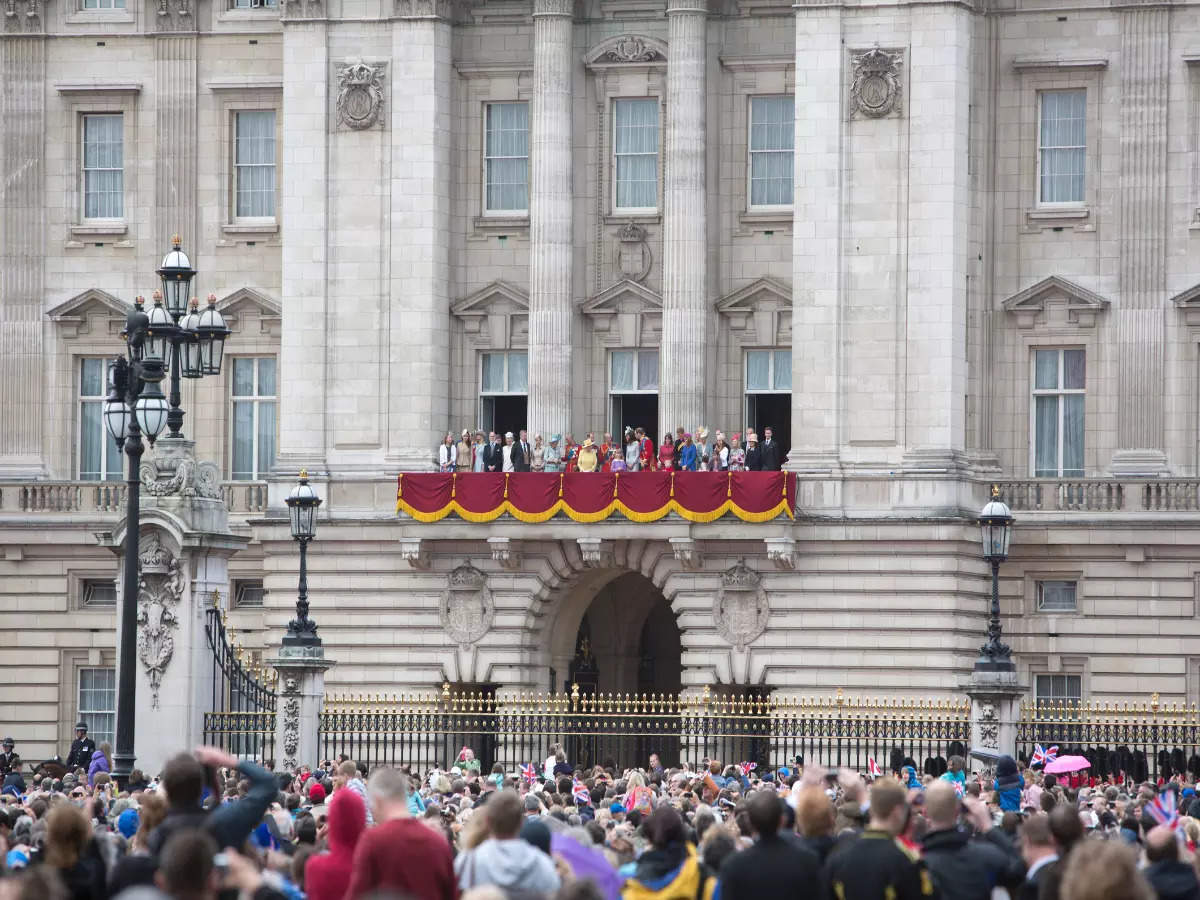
<point>136,407</point>
<point>302,505</point>
<point>995,525</point>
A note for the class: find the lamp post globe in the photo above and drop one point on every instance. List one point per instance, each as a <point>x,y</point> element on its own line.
<point>995,532</point>
<point>176,273</point>
<point>302,505</point>
<point>212,332</point>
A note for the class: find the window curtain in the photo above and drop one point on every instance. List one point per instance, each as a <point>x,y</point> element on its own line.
<point>772,138</point>
<point>243,440</point>
<point>103,167</point>
<point>507,155</point>
<point>518,373</point>
<point>1046,441</point>
<point>636,142</point>
<point>255,158</point>
<point>1072,435</point>
<point>493,373</point>
<point>648,370</point>
<point>783,370</point>
<point>758,370</point>
<point>622,370</point>
<point>1063,146</point>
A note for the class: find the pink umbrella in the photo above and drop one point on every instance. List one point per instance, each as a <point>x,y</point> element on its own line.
<point>1068,764</point>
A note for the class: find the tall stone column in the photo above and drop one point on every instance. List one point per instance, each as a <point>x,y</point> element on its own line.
<point>175,121</point>
<point>550,237</point>
<point>685,229</point>
<point>421,98</point>
<point>23,248</point>
<point>1142,205</point>
<point>816,241</point>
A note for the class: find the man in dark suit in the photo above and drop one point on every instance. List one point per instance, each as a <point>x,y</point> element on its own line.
<point>770,452</point>
<point>1041,857</point>
<point>520,453</point>
<point>493,454</point>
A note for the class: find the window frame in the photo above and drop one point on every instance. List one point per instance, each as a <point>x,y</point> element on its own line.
<point>1039,586</point>
<point>1039,148</point>
<point>1065,698</point>
<point>774,355</point>
<point>241,584</point>
<point>485,211</point>
<point>506,392</point>
<point>751,206</point>
<point>107,444</point>
<point>235,167</point>
<point>95,733</point>
<point>100,7</point>
<point>637,352</point>
<point>613,155</point>
<point>1059,392</point>
<point>83,168</point>
<point>256,399</point>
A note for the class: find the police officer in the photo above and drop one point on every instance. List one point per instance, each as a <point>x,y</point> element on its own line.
<point>82,749</point>
<point>9,759</point>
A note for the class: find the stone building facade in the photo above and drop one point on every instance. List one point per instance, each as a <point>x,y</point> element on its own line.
<point>935,245</point>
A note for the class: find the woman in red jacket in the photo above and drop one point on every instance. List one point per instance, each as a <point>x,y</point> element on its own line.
<point>326,875</point>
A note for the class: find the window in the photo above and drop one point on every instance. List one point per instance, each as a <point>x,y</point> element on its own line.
<point>635,148</point>
<point>1056,596</point>
<point>98,702</point>
<point>633,372</point>
<point>768,371</point>
<point>503,384</point>
<point>247,593</point>
<point>1062,147</point>
<point>103,4</point>
<point>506,158</point>
<point>103,166</point>
<point>1058,690</point>
<point>1058,392</point>
<point>99,592</point>
<point>772,137</point>
<point>254,4</point>
<point>253,417</point>
<point>99,455</point>
<point>254,164</point>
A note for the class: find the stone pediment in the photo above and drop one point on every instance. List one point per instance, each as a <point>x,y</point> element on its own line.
<point>496,315</point>
<point>245,306</point>
<point>627,50</point>
<point>1055,301</point>
<point>761,310</point>
<point>626,313</point>
<point>1188,303</point>
<point>75,316</point>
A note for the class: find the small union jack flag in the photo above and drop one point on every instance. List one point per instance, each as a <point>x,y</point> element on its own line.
<point>747,767</point>
<point>1163,809</point>
<point>529,773</point>
<point>580,792</point>
<point>959,790</point>
<point>873,768</point>
<point>462,754</point>
<point>1043,756</point>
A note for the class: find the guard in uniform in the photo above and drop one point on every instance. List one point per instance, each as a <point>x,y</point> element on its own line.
<point>876,865</point>
<point>9,760</point>
<point>82,749</point>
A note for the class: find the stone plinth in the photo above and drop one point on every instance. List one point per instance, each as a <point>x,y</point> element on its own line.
<point>301,693</point>
<point>995,709</point>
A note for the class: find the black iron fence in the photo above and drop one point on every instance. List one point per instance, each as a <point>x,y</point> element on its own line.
<point>624,729</point>
<point>242,720</point>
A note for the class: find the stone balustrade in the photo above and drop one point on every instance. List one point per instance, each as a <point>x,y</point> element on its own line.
<point>1102,495</point>
<point>108,497</point>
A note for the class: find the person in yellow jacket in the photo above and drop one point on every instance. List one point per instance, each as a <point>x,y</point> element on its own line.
<point>671,869</point>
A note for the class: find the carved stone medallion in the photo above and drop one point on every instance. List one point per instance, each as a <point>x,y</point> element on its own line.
<point>360,94</point>
<point>467,608</point>
<point>875,89</point>
<point>633,252</point>
<point>740,609</point>
<point>631,49</point>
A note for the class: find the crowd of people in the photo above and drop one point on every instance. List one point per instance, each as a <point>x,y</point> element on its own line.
<point>213,826</point>
<point>634,452</point>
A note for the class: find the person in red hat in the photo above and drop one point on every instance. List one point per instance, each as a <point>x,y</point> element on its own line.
<point>316,797</point>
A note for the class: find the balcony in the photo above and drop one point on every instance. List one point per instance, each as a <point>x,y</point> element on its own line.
<point>1102,495</point>
<point>104,498</point>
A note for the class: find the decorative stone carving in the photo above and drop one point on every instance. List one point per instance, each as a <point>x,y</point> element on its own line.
<point>989,727</point>
<point>634,257</point>
<point>740,609</point>
<point>467,607</point>
<point>290,710</point>
<point>595,552</point>
<point>31,21</point>
<point>190,478</point>
<point>505,552</point>
<point>424,9</point>
<point>631,49</point>
<point>360,94</point>
<point>782,552</point>
<point>153,557</point>
<point>159,595</point>
<point>413,552</point>
<point>875,88</point>
<point>687,552</point>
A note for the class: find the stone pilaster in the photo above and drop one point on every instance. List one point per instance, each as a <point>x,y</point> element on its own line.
<point>22,250</point>
<point>816,241</point>
<point>298,705</point>
<point>1142,217</point>
<point>175,160</point>
<point>995,712</point>
<point>682,386</point>
<point>304,207</point>
<point>421,101</point>
<point>550,235</point>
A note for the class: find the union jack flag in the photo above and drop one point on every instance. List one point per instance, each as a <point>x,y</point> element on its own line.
<point>959,790</point>
<point>747,767</point>
<point>1041,757</point>
<point>873,768</point>
<point>1163,809</point>
<point>462,754</point>
<point>529,773</point>
<point>580,792</point>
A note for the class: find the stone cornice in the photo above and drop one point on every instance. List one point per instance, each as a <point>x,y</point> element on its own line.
<point>98,87</point>
<point>758,63</point>
<point>471,70</point>
<point>425,9</point>
<point>1029,64</point>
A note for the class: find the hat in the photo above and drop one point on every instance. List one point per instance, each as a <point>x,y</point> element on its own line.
<point>319,774</point>
<point>751,436</point>
<point>687,436</point>
<point>9,742</point>
<point>466,432</point>
<point>508,434</point>
<point>316,793</point>
<point>617,809</point>
<point>555,438</point>
<point>703,431</point>
<point>588,442</point>
<point>17,859</point>
<point>81,726</point>
<point>535,832</point>
<point>127,823</point>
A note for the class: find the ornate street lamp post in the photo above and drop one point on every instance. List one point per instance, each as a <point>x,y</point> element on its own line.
<point>995,525</point>
<point>136,407</point>
<point>302,505</point>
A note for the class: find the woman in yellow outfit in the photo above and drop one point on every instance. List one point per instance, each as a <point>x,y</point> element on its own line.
<point>670,870</point>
